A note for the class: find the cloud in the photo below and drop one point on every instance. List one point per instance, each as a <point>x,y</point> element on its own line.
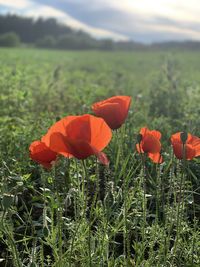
<point>140,20</point>
<point>16,4</point>
<point>47,11</point>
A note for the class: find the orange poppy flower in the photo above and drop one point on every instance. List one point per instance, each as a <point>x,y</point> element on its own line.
<point>113,110</point>
<point>79,137</point>
<point>40,153</point>
<point>150,144</point>
<point>192,146</point>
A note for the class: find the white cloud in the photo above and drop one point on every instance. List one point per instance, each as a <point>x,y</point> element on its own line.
<point>47,11</point>
<point>179,10</point>
<point>15,3</point>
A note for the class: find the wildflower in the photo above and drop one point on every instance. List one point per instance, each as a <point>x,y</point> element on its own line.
<point>79,137</point>
<point>149,143</point>
<point>113,110</point>
<point>190,147</point>
<point>40,153</point>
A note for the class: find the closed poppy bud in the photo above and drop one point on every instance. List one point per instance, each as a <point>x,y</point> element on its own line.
<point>113,110</point>
<point>149,143</point>
<point>191,145</point>
<point>42,154</point>
<point>183,137</point>
<point>139,138</point>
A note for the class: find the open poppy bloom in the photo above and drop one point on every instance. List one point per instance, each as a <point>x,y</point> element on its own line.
<point>79,137</point>
<point>192,146</point>
<point>150,144</point>
<point>40,153</point>
<point>113,110</point>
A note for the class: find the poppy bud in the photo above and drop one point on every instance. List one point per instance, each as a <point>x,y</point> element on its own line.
<point>139,138</point>
<point>184,137</point>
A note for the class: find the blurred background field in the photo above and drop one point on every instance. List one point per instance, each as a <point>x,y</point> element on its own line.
<point>37,84</point>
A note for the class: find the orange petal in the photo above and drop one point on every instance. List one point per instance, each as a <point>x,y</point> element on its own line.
<point>156,134</point>
<point>150,144</point>
<point>110,113</point>
<point>176,138</point>
<point>101,134</point>
<point>178,151</point>
<point>194,141</point>
<point>197,151</point>
<point>113,110</point>
<point>139,148</point>
<point>79,128</point>
<point>40,153</point>
<point>144,131</point>
<point>80,149</point>
<point>156,158</point>
<point>57,142</point>
<point>59,126</point>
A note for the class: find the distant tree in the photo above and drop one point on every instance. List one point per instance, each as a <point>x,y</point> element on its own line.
<point>106,44</point>
<point>47,41</point>
<point>9,39</point>
<point>30,30</point>
<point>76,41</point>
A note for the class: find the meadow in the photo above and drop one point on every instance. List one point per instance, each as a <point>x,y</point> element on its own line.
<point>81,213</point>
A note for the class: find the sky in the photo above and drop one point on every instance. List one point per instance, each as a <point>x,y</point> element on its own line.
<point>144,21</point>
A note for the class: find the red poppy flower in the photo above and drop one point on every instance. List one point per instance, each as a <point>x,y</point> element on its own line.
<point>79,137</point>
<point>192,146</point>
<point>113,110</point>
<point>40,153</point>
<point>150,144</point>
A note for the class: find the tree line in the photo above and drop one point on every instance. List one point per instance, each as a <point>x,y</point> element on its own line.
<point>46,33</point>
<point>49,33</point>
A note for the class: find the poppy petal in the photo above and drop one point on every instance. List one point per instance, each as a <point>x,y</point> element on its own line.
<point>80,149</point>
<point>156,134</point>
<point>144,131</point>
<point>101,134</point>
<point>176,138</point>
<point>197,151</point>
<point>79,128</point>
<point>57,142</point>
<point>156,158</point>
<point>59,126</point>
<point>139,148</point>
<point>113,110</point>
<point>40,153</point>
<point>109,111</point>
<point>150,144</point>
<point>178,151</point>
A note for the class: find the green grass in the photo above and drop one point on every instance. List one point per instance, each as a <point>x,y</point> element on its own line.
<point>43,217</point>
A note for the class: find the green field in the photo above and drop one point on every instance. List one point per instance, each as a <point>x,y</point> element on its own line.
<point>42,221</point>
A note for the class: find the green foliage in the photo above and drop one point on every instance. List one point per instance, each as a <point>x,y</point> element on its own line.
<point>9,39</point>
<point>47,41</point>
<point>128,214</point>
